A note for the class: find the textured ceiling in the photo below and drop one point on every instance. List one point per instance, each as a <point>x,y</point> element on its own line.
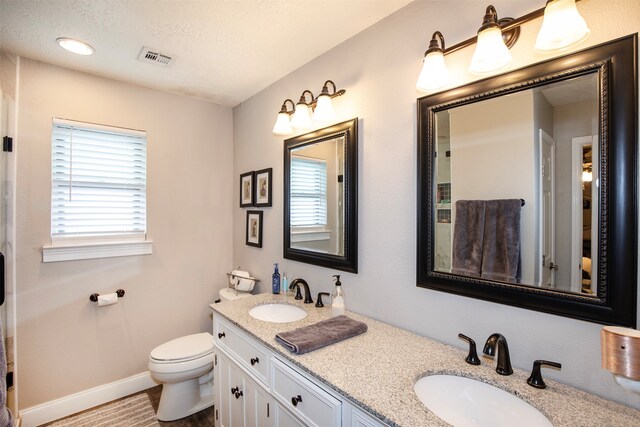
<point>224,51</point>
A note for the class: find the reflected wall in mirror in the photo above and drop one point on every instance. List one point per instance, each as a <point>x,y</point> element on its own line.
<point>320,203</point>
<point>527,193</point>
<point>540,142</point>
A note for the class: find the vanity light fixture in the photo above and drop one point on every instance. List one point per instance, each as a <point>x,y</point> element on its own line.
<point>75,46</point>
<point>283,124</point>
<point>434,74</point>
<point>491,52</point>
<point>302,114</point>
<point>299,116</point>
<point>562,26</point>
<point>324,111</point>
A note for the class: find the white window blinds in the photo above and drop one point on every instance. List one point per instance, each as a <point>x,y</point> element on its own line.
<point>308,199</point>
<point>98,181</point>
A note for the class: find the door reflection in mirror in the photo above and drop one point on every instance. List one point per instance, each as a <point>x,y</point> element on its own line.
<point>538,145</point>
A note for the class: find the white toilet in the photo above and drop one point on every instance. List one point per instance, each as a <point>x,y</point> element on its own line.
<point>184,366</point>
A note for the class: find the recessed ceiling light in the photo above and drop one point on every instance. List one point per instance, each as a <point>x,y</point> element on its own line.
<point>75,46</point>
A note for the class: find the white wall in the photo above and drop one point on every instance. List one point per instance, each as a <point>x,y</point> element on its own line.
<point>65,343</point>
<point>379,68</point>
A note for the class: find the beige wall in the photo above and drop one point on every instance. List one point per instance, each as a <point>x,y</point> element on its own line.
<point>65,343</point>
<point>379,68</point>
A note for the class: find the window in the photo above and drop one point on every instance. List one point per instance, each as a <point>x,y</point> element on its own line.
<point>308,192</point>
<point>98,192</point>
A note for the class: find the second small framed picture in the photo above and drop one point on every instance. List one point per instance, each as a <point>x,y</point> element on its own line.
<point>246,189</point>
<point>263,188</point>
<point>254,228</point>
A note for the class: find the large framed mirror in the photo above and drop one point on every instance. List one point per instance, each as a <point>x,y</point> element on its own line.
<point>320,197</point>
<point>527,190</point>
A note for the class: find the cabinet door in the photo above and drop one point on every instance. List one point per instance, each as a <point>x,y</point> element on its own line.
<point>237,396</point>
<point>259,406</point>
<point>221,381</point>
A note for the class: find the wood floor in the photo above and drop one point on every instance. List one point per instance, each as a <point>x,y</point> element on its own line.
<point>202,418</point>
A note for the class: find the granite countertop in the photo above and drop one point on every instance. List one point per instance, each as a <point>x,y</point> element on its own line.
<point>377,370</point>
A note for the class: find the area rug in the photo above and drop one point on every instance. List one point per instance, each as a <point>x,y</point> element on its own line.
<point>128,412</point>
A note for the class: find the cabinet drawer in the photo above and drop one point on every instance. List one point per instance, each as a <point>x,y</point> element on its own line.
<point>309,402</point>
<point>246,351</point>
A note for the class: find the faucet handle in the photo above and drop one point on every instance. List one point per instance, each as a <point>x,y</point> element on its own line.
<point>472,357</point>
<point>319,303</point>
<point>535,379</point>
<point>297,287</point>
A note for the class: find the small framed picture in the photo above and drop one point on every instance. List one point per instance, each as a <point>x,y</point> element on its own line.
<point>254,228</point>
<point>263,188</point>
<point>246,189</point>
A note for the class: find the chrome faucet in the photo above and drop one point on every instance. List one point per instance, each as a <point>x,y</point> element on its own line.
<point>504,362</point>
<point>307,293</point>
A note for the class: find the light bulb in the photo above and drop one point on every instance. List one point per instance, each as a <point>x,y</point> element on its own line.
<point>562,26</point>
<point>283,125</point>
<point>75,46</point>
<point>301,118</point>
<point>491,53</point>
<point>324,109</point>
<point>434,74</point>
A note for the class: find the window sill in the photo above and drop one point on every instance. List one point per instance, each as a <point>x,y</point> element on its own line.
<point>71,252</point>
<point>310,236</point>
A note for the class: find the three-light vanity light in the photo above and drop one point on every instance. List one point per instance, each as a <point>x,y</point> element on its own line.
<point>562,27</point>
<point>300,117</point>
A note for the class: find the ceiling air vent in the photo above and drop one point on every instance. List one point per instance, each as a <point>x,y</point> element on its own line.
<point>148,55</point>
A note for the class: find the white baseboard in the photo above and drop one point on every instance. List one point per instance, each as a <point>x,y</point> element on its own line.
<point>86,399</point>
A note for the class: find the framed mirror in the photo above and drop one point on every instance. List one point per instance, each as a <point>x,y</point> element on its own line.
<point>320,197</point>
<point>527,190</point>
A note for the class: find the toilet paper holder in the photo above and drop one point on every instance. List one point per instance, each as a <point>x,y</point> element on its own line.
<point>94,297</point>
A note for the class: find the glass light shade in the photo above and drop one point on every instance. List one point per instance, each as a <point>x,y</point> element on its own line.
<point>434,74</point>
<point>562,26</point>
<point>491,53</point>
<point>283,125</point>
<point>587,176</point>
<point>324,109</point>
<point>75,46</point>
<point>301,118</point>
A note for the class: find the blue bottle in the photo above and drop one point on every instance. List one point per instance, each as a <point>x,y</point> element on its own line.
<point>275,280</point>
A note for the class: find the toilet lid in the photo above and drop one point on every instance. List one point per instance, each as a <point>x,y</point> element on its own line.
<point>184,348</point>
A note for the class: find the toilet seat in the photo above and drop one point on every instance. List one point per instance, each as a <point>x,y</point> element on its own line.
<point>183,349</point>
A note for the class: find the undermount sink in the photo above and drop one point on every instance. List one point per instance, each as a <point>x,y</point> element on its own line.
<point>277,313</point>
<point>465,402</point>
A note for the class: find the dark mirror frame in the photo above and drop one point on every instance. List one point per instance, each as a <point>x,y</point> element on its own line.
<point>349,261</point>
<point>615,302</point>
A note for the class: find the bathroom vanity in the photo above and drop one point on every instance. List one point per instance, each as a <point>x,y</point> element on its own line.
<point>367,380</point>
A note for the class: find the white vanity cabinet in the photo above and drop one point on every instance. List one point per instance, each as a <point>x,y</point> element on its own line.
<point>256,387</point>
<point>239,400</point>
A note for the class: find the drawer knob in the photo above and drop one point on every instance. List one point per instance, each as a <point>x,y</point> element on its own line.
<point>254,360</point>
<point>234,390</point>
<point>220,335</point>
<point>295,400</point>
<point>238,394</point>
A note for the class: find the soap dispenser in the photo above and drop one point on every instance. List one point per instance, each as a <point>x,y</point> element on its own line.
<point>275,280</point>
<point>337,298</point>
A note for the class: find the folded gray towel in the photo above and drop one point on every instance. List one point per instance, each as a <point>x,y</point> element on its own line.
<point>321,334</point>
<point>501,246</point>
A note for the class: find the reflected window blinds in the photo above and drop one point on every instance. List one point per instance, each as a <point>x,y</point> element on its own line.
<point>308,192</point>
